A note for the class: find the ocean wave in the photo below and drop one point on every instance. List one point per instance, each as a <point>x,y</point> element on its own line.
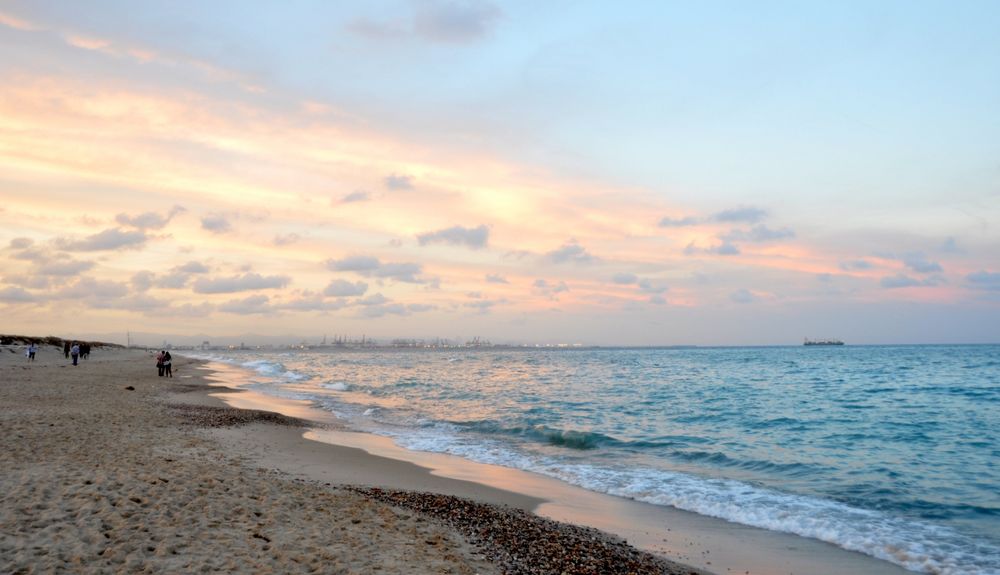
<point>981,365</point>
<point>404,384</point>
<point>275,371</point>
<point>716,458</point>
<point>570,438</point>
<point>580,440</point>
<point>938,510</point>
<point>263,366</point>
<point>336,386</point>
<point>787,423</point>
<point>879,390</point>
<point>987,392</point>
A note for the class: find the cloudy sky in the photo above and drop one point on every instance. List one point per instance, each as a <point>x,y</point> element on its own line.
<point>540,172</point>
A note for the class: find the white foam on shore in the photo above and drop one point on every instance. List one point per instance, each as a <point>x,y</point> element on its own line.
<point>275,372</point>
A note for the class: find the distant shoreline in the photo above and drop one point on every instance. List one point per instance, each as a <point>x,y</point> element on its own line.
<point>7,340</point>
<point>555,348</point>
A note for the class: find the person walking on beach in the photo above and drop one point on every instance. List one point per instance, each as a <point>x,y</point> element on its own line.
<point>32,349</point>
<point>75,352</point>
<point>66,349</point>
<point>159,363</point>
<point>167,370</point>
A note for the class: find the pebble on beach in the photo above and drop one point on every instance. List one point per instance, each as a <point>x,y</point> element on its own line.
<point>525,544</point>
<point>209,416</point>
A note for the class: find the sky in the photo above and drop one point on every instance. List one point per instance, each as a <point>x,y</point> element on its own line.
<point>601,173</point>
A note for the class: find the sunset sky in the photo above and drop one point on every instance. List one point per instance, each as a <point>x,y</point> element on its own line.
<point>639,173</point>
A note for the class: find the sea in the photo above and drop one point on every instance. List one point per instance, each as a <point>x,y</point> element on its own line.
<point>891,451</point>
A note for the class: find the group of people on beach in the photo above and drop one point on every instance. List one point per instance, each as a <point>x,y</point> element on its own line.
<point>163,364</point>
<point>73,349</point>
<point>77,350</point>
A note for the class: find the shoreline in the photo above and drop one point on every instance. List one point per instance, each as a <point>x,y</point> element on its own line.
<point>287,448</point>
<point>703,542</point>
<point>104,473</point>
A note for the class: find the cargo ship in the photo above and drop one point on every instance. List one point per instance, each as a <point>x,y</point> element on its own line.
<point>822,342</point>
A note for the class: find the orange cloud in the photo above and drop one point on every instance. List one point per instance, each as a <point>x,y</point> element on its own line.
<point>16,23</point>
<point>90,43</point>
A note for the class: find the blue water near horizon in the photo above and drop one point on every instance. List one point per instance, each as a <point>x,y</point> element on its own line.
<point>891,451</point>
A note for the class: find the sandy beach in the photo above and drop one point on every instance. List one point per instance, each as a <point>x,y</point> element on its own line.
<point>108,468</point>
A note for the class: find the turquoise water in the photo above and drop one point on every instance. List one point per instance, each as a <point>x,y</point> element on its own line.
<point>890,451</point>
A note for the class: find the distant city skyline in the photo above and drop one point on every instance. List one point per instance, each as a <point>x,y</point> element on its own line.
<point>579,172</point>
